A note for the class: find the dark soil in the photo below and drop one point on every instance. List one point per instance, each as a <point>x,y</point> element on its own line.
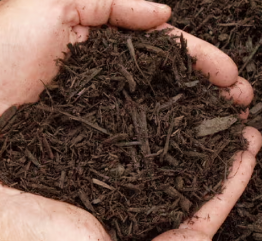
<point>236,28</point>
<point>121,132</point>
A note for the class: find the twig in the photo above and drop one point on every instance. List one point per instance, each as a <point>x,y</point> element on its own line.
<point>229,38</point>
<point>155,154</point>
<point>137,210</point>
<point>168,158</point>
<point>171,102</point>
<point>32,158</point>
<point>140,124</point>
<point>204,22</point>
<point>133,112</point>
<point>151,48</point>
<point>234,24</point>
<point>116,138</point>
<point>189,64</point>
<point>7,116</point>
<point>88,79</point>
<point>172,192</point>
<point>47,146</point>
<point>169,132</point>
<point>47,91</point>
<point>80,119</point>
<point>250,56</point>
<point>62,179</point>
<point>133,55</point>
<point>144,132</point>
<point>241,23</point>
<point>98,173</point>
<point>129,78</point>
<point>200,10</point>
<point>85,200</point>
<point>96,127</point>
<point>102,184</point>
<point>3,148</point>
<point>131,143</point>
<point>175,70</point>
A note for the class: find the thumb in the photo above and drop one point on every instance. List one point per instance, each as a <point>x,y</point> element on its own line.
<point>131,14</point>
<point>182,234</point>
<point>141,15</point>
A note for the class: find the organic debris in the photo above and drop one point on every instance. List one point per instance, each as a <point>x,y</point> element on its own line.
<point>117,133</point>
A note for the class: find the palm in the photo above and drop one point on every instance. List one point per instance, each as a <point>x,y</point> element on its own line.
<point>27,217</point>
<point>37,33</point>
<point>47,31</point>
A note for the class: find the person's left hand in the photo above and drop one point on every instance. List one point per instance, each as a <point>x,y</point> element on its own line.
<point>33,34</point>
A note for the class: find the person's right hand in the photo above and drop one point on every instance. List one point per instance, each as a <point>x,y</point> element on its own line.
<point>222,72</point>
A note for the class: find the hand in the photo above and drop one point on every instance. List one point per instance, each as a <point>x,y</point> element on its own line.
<point>33,34</point>
<point>223,72</point>
<point>27,56</point>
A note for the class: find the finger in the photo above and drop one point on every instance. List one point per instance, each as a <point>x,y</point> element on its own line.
<point>241,92</point>
<point>244,115</point>
<point>132,14</point>
<point>141,15</point>
<point>182,234</point>
<point>79,34</point>
<point>253,137</point>
<point>213,213</point>
<point>93,12</point>
<point>211,61</point>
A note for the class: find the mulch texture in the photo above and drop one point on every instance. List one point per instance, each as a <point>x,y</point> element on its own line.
<point>128,131</point>
<point>236,28</point>
<point>118,133</point>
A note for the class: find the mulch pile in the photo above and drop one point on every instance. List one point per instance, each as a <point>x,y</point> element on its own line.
<point>128,131</point>
<point>236,28</point>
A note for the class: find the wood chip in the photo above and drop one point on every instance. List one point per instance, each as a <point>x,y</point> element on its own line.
<point>151,48</point>
<point>171,102</point>
<point>191,84</point>
<point>116,138</point>
<point>210,127</point>
<point>102,184</point>
<point>256,122</point>
<point>7,115</point>
<point>130,80</point>
<point>184,202</point>
<point>84,198</point>
<point>62,179</point>
<point>32,158</point>
<point>256,109</point>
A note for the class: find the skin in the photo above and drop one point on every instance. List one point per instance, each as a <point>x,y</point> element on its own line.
<point>35,33</point>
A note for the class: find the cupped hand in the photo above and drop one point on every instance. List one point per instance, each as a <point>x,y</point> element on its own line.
<point>222,72</point>
<point>35,33</point>
<point>28,217</point>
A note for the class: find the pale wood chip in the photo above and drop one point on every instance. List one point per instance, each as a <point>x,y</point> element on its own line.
<point>102,184</point>
<point>209,127</point>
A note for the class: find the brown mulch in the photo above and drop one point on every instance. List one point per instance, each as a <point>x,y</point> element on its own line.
<point>233,26</point>
<point>128,131</point>
<point>236,28</point>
